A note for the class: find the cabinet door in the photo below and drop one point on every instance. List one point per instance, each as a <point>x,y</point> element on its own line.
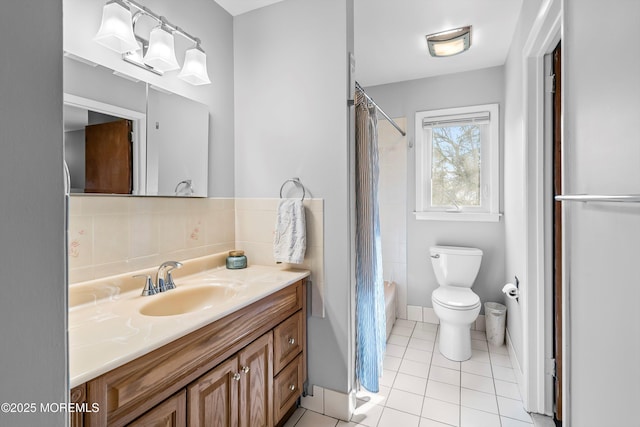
<point>256,384</point>
<point>213,398</point>
<point>170,413</point>
<point>78,395</point>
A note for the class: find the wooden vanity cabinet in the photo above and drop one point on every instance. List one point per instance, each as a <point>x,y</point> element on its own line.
<point>246,369</point>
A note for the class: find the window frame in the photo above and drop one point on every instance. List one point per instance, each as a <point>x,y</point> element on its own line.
<point>489,209</point>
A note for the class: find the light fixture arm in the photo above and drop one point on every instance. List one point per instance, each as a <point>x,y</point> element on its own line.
<point>160,19</point>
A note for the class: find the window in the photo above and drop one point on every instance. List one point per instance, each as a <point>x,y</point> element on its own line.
<point>457,169</point>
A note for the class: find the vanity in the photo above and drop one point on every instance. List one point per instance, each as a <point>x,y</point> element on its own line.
<point>225,348</point>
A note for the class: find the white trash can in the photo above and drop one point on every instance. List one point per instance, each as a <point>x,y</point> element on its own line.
<point>495,317</point>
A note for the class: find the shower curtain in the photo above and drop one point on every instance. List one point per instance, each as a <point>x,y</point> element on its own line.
<point>370,309</point>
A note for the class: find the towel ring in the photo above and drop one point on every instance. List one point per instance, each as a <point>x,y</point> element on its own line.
<point>297,183</point>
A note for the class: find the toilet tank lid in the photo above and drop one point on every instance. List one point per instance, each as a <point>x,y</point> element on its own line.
<point>455,250</point>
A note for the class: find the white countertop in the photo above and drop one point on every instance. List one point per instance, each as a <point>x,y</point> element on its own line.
<point>109,332</point>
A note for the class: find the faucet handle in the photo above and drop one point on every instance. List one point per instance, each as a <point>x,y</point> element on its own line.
<point>148,289</point>
<point>170,283</point>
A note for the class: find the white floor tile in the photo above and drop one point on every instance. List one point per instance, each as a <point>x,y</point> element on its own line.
<point>421,344</point>
<point>405,323</point>
<point>445,375</point>
<point>313,419</point>
<point>474,418</point>
<point>295,417</point>
<point>410,367</point>
<point>510,422</point>
<point>402,331</point>
<point>478,335</point>
<point>405,402</point>
<point>477,382</point>
<point>426,326</point>
<point>443,391</point>
<point>410,383</point>
<point>500,360</point>
<point>477,368</point>
<point>367,414</point>
<point>392,418</point>
<point>387,378</point>
<point>511,408</point>
<point>478,400</point>
<point>479,345</point>
<point>398,340</point>
<point>423,334</point>
<point>364,396</point>
<point>347,424</point>
<point>395,350</point>
<point>443,412</point>
<point>504,374</point>
<point>498,349</point>
<point>418,355</point>
<point>391,363</point>
<point>425,422</point>
<point>507,389</point>
<point>440,360</point>
<point>480,356</point>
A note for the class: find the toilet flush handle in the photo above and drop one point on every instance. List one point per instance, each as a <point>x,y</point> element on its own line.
<point>436,256</point>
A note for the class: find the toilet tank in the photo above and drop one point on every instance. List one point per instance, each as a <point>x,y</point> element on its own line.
<point>455,265</point>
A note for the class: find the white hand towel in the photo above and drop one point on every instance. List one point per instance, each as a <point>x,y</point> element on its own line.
<point>290,238</point>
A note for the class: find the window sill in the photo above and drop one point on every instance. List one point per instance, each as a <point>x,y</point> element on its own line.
<point>458,216</point>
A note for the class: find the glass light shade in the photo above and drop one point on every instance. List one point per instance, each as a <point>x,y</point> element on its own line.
<point>161,54</point>
<point>448,48</point>
<point>194,70</point>
<point>451,42</point>
<point>116,30</point>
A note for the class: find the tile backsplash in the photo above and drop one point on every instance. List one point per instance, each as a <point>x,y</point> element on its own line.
<point>111,235</point>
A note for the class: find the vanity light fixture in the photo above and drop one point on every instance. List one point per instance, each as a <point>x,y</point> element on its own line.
<point>116,31</point>
<point>161,54</point>
<point>450,42</point>
<point>157,54</point>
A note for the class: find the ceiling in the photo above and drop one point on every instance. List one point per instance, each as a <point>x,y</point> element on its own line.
<point>389,35</point>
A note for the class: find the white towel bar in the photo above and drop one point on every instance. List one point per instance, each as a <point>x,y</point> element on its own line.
<point>626,198</point>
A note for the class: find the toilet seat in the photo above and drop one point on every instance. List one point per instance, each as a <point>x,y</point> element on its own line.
<point>456,298</point>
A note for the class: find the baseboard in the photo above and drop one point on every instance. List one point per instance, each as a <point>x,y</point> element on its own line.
<point>330,403</point>
<point>517,369</point>
<point>428,315</point>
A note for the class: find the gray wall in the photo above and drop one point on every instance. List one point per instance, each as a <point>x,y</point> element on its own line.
<point>601,113</point>
<point>32,256</point>
<point>404,100</point>
<point>291,121</point>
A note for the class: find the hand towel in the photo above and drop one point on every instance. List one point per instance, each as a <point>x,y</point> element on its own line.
<point>290,238</point>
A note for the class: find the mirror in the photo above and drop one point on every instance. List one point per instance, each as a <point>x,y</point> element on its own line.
<point>126,137</point>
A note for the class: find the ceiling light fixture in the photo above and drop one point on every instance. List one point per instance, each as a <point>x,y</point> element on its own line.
<point>450,42</point>
<point>157,54</point>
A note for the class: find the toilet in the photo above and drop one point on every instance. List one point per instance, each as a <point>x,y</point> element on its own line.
<point>455,304</point>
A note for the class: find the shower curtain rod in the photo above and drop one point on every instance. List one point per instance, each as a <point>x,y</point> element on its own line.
<point>395,125</point>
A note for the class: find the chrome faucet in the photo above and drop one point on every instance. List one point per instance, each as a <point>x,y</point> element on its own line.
<point>164,280</point>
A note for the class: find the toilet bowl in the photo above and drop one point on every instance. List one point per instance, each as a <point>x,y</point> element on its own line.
<point>455,304</point>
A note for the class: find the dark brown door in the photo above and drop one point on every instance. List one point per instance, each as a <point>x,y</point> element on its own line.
<point>108,158</point>
<point>557,228</point>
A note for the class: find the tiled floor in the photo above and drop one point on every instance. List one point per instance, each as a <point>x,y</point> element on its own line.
<point>421,388</point>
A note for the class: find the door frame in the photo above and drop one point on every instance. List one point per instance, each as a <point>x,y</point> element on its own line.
<point>139,137</point>
<point>537,386</point>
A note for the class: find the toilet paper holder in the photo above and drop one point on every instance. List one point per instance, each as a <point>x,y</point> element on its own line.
<point>512,291</point>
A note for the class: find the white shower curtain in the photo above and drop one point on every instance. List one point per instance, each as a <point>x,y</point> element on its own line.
<point>370,309</point>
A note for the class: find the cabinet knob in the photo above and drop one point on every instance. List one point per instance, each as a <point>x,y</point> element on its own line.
<point>291,341</point>
<point>245,369</point>
<point>236,376</point>
<point>292,387</point>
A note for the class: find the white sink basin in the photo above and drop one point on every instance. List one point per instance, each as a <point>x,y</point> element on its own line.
<point>187,300</point>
